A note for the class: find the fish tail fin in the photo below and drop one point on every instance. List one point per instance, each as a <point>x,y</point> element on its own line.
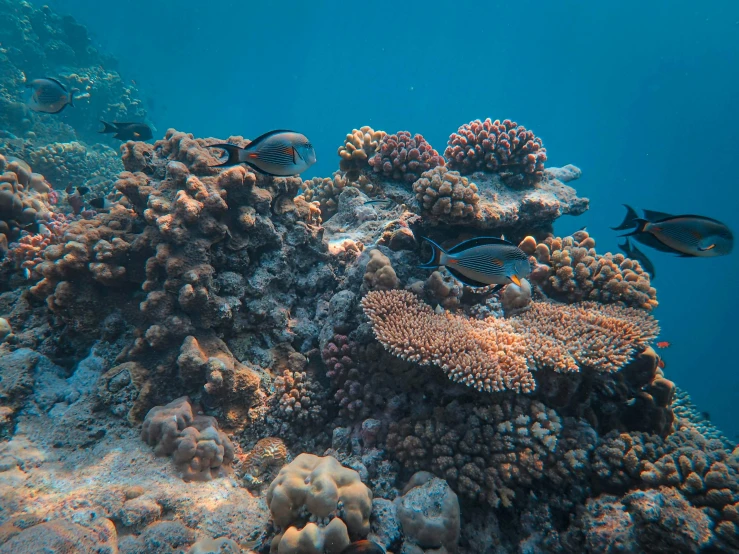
<point>108,128</point>
<point>640,226</point>
<point>436,253</point>
<point>629,219</point>
<point>71,96</point>
<point>233,154</point>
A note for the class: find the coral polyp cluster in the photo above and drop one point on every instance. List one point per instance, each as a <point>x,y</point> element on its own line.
<point>404,157</point>
<point>506,148</point>
<point>358,149</point>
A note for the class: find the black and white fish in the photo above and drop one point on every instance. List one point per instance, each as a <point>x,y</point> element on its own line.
<point>686,235</point>
<point>278,153</point>
<point>482,261</point>
<point>127,131</point>
<point>49,96</point>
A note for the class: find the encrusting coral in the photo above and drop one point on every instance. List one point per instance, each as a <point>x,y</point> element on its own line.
<point>379,273</point>
<point>263,461</point>
<point>506,148</point>
<point>319,487</point>
<point>495,354</point>
<point>569,270</point>
<point>199,449</point>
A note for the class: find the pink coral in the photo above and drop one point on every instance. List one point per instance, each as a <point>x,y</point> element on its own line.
<point>403,158</point>
<point>506,148</point>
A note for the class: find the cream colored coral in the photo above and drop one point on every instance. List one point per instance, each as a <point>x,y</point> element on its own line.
<point>379,274</point>
<point>495,354</point>
<point>359,146</point>
<point>447,193</point>
<point>312,539</point>
<point>323,487</point>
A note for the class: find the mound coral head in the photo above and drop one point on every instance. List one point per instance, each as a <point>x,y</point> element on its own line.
<point>506,148</point>
<point>403,157</point>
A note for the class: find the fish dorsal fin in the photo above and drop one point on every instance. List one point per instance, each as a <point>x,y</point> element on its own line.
<point>693,216</point>
<point>464,279</point>
<point>57,82</point>
<point>478,241</point>
<point>653,215</point>
<point>265,136</point>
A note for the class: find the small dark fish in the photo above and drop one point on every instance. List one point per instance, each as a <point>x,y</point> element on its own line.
<point>80,190</point>
<point>706,416</point>
<point>482,261</point>
<point>278,153</point>
<point>363,547</point>
<point>49,96</point>
<point>634,253</point>
<point>100,203</point>
<point>386,201</point>
<point>127,131</point>
<point>686,235</point>
<point>76,202</point>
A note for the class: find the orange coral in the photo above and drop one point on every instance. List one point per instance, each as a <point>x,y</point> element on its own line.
<point>486,355</point>
<point>570,270</point>
<point>496,354</point>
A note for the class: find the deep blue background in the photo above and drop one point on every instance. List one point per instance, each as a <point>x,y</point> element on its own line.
<point>640,95</point>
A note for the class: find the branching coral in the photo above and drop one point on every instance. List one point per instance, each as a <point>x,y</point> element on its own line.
<point>326,190</point>
<point>486,453</point>
<point>447,195</point>
<point>506,148</point>
<point>494,354</point>
<point>299,398</point>
<point>358,148</point>
<point>570,270</point>
<point>487,355</point>
<point>403,157</point>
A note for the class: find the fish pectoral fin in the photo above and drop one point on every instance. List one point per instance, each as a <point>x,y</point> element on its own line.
<point>707,248</point>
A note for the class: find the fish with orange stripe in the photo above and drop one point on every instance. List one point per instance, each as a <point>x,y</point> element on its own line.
<point>279,153</point>
<point>482,261</point>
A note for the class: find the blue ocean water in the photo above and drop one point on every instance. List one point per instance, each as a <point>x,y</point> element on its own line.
<point>641,96</point>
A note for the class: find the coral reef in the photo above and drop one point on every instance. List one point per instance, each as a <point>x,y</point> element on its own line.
<point>506,148</point>
<point>267,457</point>
<point>569,270</point>
<point>24,199</point>
<point>326,190</point>
<point>402,157</point>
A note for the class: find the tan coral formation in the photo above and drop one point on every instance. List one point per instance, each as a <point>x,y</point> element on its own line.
<point>359,146</point>
<point>326,190</point>
<point>321,488</point>
<point>447,195</point>
<point>569,269</point>
<point>496,354</point>
<point>267,456</point>
<point>197,446</point>
<point>379,273</point>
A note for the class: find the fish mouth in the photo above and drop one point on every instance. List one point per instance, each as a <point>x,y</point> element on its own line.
<point>516,280</point>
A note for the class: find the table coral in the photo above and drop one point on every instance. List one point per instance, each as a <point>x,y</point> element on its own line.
<point>402,157</point>
<point>569,269</point>
<point>494,354</point>
<point>319,487</point>
<point>359,147</point>
<point>506,148</point>
<point>198,448</point>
